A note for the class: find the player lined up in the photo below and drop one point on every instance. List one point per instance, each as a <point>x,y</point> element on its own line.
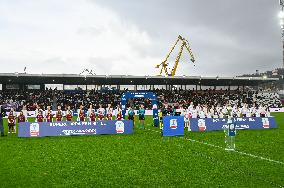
<point>91,115</point>
<point>204,111</point>
<point>49,115</point>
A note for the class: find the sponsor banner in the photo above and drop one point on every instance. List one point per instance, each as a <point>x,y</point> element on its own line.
<point>43,129</point>
<point>231,128</point>
<point>173,126</point>
<point>214,124</point>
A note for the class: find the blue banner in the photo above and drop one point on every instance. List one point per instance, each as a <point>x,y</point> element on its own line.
<point>36,129</point>
<point>232,128</point>
<point>213,124</point>
<point>148,95</point>
<point>173,126</point>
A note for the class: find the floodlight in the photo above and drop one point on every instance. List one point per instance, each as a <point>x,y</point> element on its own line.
<point>281,23</point>
<point>264,77</point>
<point>281,14</point>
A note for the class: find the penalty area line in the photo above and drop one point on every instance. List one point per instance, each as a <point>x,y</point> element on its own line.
<point>239,152</point>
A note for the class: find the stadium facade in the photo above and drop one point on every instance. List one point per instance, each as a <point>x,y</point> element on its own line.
<point>41,81</point>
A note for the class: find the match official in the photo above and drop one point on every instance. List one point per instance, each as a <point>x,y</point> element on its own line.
<point>130,114</point>
<point>2,114</point>
<point>141,113</point>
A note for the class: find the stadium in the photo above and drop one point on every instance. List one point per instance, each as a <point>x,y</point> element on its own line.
<point>165,127</point>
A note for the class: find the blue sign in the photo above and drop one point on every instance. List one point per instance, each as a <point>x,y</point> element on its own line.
<point>149,95</point>
<point>231,128</point>
<point>214,124</point>
<point>173,126</point>
<point>70,128</point>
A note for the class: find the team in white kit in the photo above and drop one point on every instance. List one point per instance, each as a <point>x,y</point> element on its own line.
<point>203,111</point>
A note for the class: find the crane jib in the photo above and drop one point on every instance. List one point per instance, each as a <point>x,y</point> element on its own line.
<point>164,65</point>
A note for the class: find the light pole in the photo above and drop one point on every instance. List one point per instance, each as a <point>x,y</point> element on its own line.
<point>281,16</point>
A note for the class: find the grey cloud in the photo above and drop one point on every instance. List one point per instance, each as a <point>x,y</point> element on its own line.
<point>55,60</point>
<point>89,31</point>
<point>228,36</point>
<point>102,65</point>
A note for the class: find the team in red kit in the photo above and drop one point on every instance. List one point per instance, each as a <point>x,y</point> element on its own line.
<point>49,116</point>
<point>91,115</point>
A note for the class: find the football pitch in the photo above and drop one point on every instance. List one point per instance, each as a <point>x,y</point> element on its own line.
<point>145,159</point>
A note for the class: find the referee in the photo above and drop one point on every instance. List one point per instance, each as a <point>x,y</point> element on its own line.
<point>130,114</point>
<point>2,114</point>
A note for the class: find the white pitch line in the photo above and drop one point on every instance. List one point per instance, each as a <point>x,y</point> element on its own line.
<point>259,157</point>
<point>205,143</point>
<point>239,152</point>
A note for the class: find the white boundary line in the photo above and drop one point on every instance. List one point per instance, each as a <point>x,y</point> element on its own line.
<point>239,152</point>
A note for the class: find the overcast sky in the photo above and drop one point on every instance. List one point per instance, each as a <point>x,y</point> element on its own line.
<point>228,37</point>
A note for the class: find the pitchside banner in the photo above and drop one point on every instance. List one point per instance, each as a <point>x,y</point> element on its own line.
<point>213,124</point>
<point>173,126</point>
<point>66,128</point>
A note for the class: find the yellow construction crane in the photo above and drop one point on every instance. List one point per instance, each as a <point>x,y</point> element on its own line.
<point>164,65</point>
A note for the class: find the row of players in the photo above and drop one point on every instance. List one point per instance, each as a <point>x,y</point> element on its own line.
<point>92,115</point>
<point>203,111</point>
<point>199,111</point>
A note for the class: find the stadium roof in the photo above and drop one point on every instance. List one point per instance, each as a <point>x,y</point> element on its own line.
<point>75,79</point>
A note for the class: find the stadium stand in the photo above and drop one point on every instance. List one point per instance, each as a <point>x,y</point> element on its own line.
<point>179,92</point>
<point>173,98</point>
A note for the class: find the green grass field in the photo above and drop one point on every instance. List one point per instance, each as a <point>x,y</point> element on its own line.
<point>144,159</point>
